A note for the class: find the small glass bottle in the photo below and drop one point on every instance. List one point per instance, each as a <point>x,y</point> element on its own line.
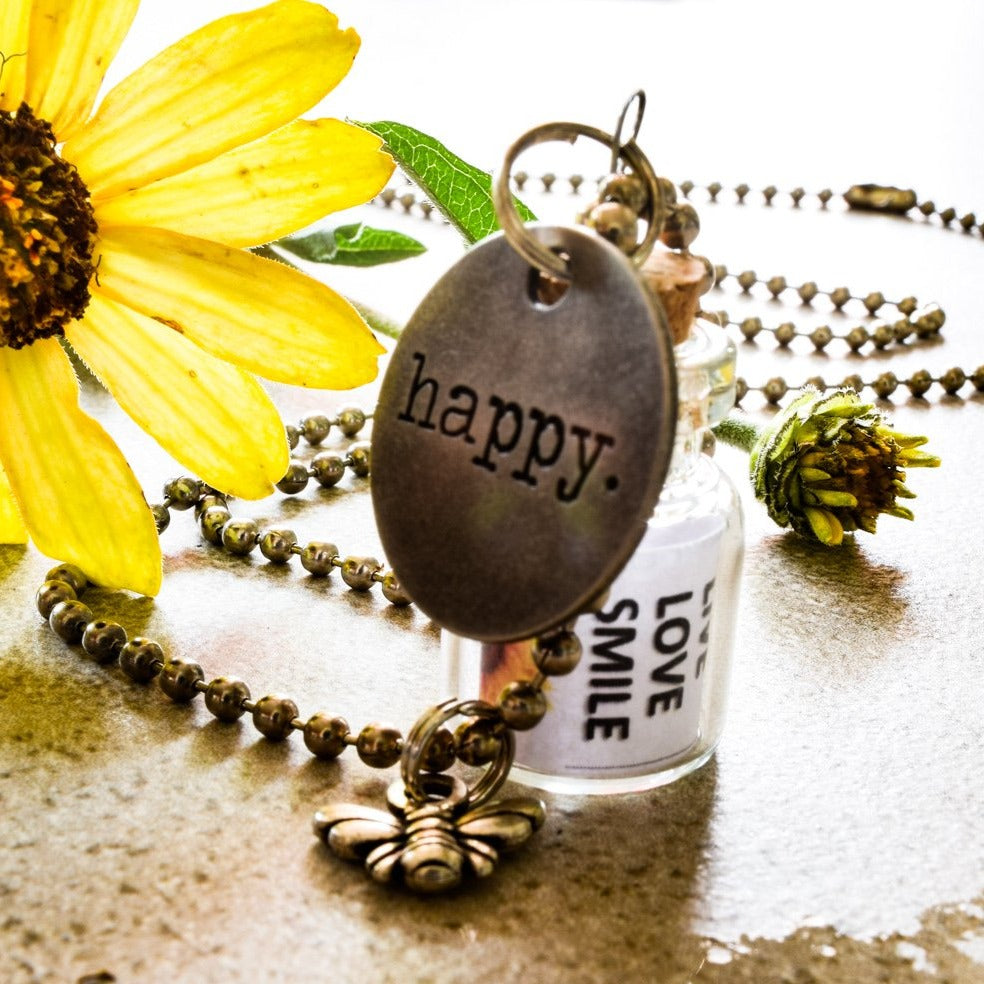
<point>646,704</point>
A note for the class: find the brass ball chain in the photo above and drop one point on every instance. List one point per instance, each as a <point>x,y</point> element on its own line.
<point>920,323</point>
<point>475,742</point>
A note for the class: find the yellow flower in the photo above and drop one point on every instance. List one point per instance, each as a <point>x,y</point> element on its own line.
<point>123,233</point>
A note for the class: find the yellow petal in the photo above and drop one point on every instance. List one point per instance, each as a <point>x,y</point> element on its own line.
<point>72,44</point>
<point>230,82</point>
<point>256,313</point>
<point>272,186</point>
<point>77,495</point>
<point>212,417</point>
<point>15,29</point>
<point>12,528</point>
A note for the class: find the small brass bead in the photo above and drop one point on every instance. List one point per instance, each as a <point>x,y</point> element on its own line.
<point>557,654</point>
<point>278,545</point>
<point>630,191</point>
<point>885,385</point>
<point>327,468</point>
<point>240,536</point>
<point>919,382</point>
<point>141,659</point>
<point>857,338</point>
<point>907,305</point>
<point>769,192</point>
<point>547,180</point>
<point>821,336</point>
<point>776,285</point>
<point>785,333</point>
<point>183,492</point>
<point>747,280</point>
<point>439,754</point>
<point>686,187</point>
<point>713,190</point>
<point>854,382</point>
<point>807,291</point>
<point>522,705</point>
<point>207,501</point>
<point>394,592</point>
<point>350,421</point>
<point>750,327</point>
<point>720,273</point>
<point>520,177</point>
<point>882,334</point>
<point>272,716</point>
<point>211,522</point>
<point>357,572</point>
<point>741,390</point>
<point>71,575</point>
<point>325,736</point>
<point>317,557</point>
<point>775,389</point>
<point>224,698</point>
<point>948,215</point>
<point>379,745</point>
<point>103,641</point>
<point>902,329</point>
<point>874,301</point>
<point>952,380</point>
<point>575,181</point>
<point>929,320</point>
<point>315,428</point>
<point>839,296</point>
<point>668,190</point>
<point>68,620</point>
<point>52,593</point>
<point>797,195</point>
<point>162,517</point>
<point>825,195</point>
<point>359,458</point>
<point>741,191</point>
<point>178,679</point>
<point>681,226</point>
<point>616,223</point>
<point>295,478</point>
<point>818,383</point>
<point>977,378</point>
<point>293,436</point>
<point>477,740</point>
<point>927,208</point>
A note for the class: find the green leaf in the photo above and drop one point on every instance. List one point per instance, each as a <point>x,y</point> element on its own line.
<point>352,245</point>
<point>461,192</point>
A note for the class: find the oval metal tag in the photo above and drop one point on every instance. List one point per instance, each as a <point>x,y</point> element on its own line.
<point>518,447</point>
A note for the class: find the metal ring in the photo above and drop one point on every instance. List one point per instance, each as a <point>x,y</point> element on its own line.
<point>533,251</point>
<point>427,726</point>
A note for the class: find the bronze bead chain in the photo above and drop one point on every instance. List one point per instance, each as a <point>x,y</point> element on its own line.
<point>914,323</point>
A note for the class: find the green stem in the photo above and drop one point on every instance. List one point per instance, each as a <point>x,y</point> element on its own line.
<point>378,322</point>
<point>737,432</point>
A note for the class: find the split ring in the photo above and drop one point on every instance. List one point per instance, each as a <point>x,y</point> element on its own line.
<point>531,249</point>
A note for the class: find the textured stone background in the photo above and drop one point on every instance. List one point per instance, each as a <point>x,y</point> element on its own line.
<point>836,835</point>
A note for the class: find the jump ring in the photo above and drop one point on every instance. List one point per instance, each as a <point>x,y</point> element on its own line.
<point>533,251</point>
<point>424,730</point>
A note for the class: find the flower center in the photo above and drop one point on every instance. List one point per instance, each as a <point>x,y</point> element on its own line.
<point>47,233</point>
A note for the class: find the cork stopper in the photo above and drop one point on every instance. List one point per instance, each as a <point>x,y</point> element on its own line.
<point>678,280</point>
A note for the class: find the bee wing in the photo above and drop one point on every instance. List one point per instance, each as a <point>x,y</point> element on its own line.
<point>352,831</point>
<point>481,856</point>
<point>505,824</point>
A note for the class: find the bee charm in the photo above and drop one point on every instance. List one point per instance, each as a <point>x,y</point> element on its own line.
<point>430,847</point>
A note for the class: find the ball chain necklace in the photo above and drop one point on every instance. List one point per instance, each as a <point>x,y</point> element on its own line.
<point>913,322</point>
<point>438,828</point>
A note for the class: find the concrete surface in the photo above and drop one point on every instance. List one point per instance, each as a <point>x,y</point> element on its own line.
<point>835,837</point>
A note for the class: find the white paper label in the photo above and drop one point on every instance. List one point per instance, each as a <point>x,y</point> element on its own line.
<point>633,703</point>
